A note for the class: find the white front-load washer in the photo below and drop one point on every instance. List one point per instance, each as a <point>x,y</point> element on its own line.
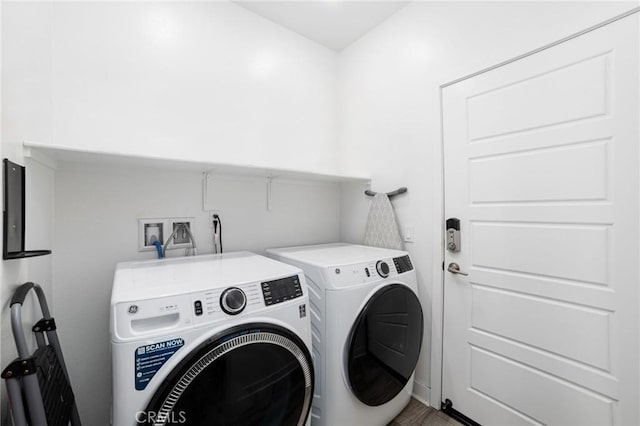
<point>210,340</point>
<point>367,328</point>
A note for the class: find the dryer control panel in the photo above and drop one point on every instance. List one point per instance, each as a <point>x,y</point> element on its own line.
<point>403,264</point>
<point>360,273</point>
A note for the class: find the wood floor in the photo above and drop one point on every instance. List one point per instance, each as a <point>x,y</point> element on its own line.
<point>418,414</point>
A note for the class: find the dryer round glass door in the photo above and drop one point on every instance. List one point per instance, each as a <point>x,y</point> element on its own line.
<point>253,374</point>
<point>384,344</point>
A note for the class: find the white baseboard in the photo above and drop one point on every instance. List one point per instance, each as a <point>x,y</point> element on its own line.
<point>422,393</point>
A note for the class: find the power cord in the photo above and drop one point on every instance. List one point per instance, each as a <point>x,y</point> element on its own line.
<point>217,233</point>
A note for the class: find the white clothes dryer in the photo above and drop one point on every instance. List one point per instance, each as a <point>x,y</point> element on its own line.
<point>215,339</point>
<point>367,327</point>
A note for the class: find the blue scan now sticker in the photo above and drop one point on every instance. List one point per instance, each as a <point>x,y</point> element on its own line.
<point>150,358</point>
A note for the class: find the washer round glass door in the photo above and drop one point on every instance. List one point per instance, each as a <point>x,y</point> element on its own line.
<point>384,344</point>
<point>254,374</point>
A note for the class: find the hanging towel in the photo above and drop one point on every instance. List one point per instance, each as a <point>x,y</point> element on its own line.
<point>382,229</point>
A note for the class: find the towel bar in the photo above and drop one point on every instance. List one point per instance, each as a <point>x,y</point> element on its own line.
<point>389,194</point>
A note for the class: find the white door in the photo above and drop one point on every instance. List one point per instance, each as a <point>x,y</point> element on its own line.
<point>541,168</point>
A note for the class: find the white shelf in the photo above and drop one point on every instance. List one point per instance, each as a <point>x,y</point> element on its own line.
<point>57,156</point>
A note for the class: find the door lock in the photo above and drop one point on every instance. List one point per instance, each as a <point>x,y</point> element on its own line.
<point>453,234</point>
<point>454,268</point>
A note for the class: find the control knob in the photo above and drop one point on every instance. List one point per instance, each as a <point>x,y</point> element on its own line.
<point>382,268</point>
<point>233,301</point>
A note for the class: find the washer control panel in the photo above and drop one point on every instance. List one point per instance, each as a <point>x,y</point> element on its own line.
<point>220,303</point>
<point>152,316</point>
<point>281,290</point>
<point>233,301</point>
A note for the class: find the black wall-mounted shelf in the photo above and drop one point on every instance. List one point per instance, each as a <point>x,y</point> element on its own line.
<point>13,217</point>
<point>23,254</point>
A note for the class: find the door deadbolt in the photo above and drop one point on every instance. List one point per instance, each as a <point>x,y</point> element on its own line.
<point>453,234</point>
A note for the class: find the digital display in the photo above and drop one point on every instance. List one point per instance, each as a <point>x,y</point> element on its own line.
<point>403,264</point>
<point>281,290</point>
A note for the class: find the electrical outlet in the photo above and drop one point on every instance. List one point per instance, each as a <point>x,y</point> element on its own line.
<point>211,214</point>
<point>408,234</point>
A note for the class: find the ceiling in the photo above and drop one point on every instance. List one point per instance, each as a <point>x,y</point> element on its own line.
<point>333,23</point>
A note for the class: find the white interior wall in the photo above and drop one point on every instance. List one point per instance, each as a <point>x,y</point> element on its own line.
<point>192,80</point>
<point>200,81</point>
<point>26,113</point>
<point>390,106</point>
<point>196,81</point>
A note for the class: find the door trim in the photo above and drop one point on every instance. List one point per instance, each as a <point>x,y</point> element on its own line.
<point>545,47</point>
<point>437,308</point>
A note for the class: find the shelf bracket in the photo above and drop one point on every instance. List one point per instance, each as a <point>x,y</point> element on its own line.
<point>205,189</point>
<point>269,193</point>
